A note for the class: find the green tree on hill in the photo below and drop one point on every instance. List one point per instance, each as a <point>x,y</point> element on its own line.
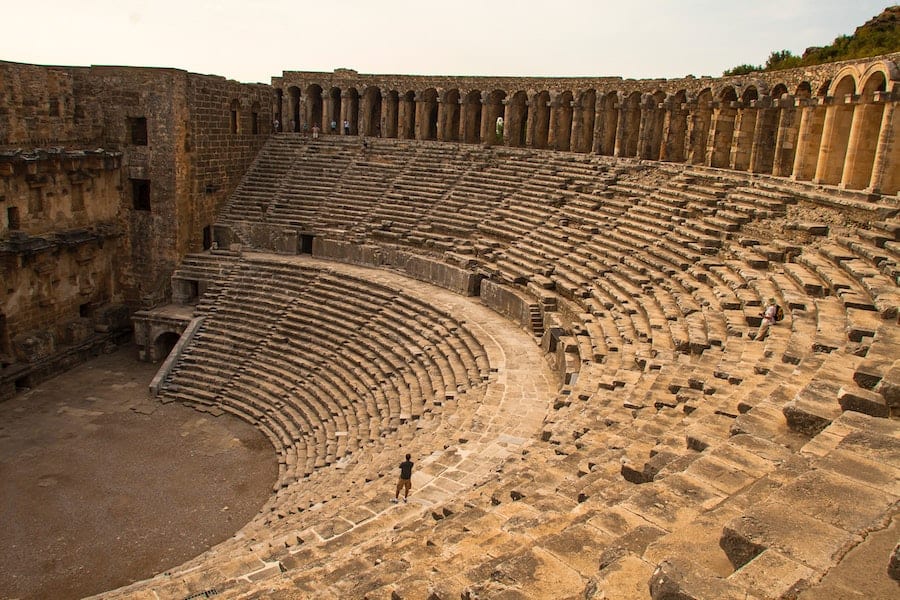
<point>880,35</point>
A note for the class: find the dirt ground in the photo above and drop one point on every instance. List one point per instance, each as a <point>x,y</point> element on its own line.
<point>101,486</point>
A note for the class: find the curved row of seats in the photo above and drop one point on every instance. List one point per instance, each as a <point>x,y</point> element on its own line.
<point>675,455</point>
<point>324,365</point>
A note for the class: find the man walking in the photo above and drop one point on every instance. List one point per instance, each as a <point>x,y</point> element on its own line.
<point>405,481</point>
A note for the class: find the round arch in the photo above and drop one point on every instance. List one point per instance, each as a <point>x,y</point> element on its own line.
<point>163,345</point>
<point>313,106</point>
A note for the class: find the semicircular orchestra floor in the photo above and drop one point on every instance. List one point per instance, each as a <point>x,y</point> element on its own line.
<point>101,486</point>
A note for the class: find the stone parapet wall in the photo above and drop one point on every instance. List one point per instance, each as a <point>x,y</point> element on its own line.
<point>431,270</point>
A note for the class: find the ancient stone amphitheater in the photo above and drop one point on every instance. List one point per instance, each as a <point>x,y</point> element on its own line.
<point>554,317</point>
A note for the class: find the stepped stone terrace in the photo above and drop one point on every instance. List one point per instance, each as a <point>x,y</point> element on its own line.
<point>554,313</point>
<point>662,452</point>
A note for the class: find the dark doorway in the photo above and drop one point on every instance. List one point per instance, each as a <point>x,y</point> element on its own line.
<point>207,237</point>
<point>306,243</point>
<point>164,344</point>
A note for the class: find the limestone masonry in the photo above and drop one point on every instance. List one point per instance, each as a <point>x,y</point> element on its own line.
<point>547,290</point>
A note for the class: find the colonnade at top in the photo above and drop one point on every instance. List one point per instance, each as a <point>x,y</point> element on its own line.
<point>841,131</point>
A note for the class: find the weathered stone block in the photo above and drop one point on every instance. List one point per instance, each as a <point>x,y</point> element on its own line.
<point>34,346</point>
<point>864,401</point>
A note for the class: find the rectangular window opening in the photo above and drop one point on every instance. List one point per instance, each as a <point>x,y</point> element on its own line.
<point>138,127</point>
<point>12,215</point>
<point>140,194</point>
<point>234,121</point>
<point>254,122</point>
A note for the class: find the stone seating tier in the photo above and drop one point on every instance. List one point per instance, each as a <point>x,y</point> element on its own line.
<point>669,460</point>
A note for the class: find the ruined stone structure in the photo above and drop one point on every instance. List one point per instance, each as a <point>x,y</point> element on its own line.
<point>554,315</point>
<point>108,176</point>
<point>832,124</point>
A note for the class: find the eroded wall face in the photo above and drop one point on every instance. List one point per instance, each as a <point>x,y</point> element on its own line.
<point>108,176</point>
<point>42,192</point>
<point>37,106</point>
<point>59,250</point>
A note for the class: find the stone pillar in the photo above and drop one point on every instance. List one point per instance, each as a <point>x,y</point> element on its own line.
<point>507,121</point>
<point>487,132</point>
<point>461,129</point>
<point>441,116</point>
<point>786,138</point>
<point>762,150</point>
<point>862,145</point>
<point>345,112</point>
<point>809,138</point>
<point>674,131</point>
<point>621,126</point>
<point>420,117</point>
<point>835,132</point>
<point>721,134</point>
<point>699,127</point>
<point>645,127</point>
<point>529,121</point>
<point>886,165</point>
<point>389,113</point>
<point>599,124</point>
<point>576,144</point>
<point>742,140</point>
<point>552,133</point>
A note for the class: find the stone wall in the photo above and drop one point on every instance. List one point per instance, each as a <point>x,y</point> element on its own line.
<point>455,279</point>
<point>108,177</point>
<point>37,106</point>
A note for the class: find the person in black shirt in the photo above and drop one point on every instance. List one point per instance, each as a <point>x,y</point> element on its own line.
<point>405,481</point>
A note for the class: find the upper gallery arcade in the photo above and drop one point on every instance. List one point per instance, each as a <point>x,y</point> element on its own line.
<point>833,124</point>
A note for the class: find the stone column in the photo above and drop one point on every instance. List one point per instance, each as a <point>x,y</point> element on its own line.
<point>599,124</point>
<point>645,127</point>
<point>862,144</point>
<point>441,116</point>
<point>389,112</point>
<point>420,117</point>
<point>838,117</point>
<point>576,144</point>
<point>552,133</point>
<point>809,138</point>
<point>674,131</point>
<point>762,150</point>
<point>742,140</point>
<point>345,111</point>
<point>885,177</point>
<point>786,138</point>
<point>529,121</point>
<point>621,125</point>
<point>488,121</point>
<point>461,129</point>
<point>721,135</point>
<point>506,120</point>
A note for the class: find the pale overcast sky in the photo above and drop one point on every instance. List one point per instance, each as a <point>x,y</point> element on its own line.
<point>253,40</point>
